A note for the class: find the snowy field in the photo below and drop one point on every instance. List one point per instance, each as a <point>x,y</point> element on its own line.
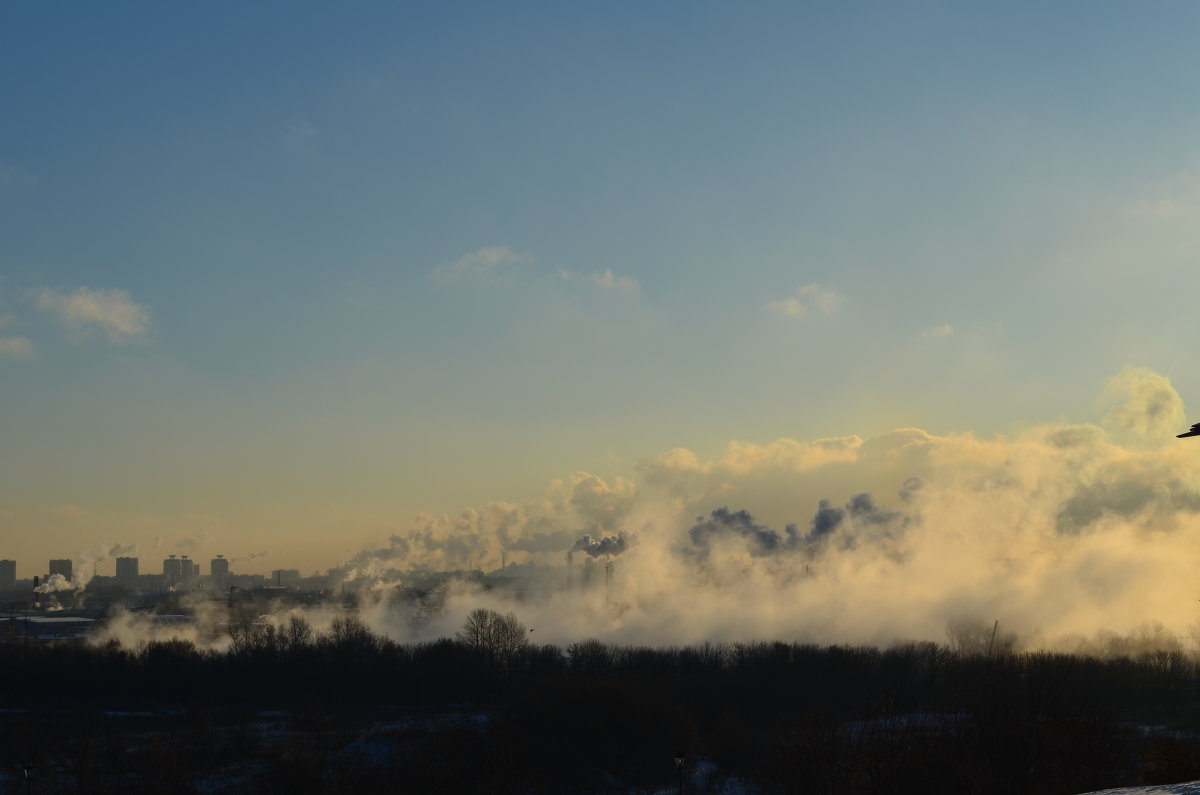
<point>1187,788</point>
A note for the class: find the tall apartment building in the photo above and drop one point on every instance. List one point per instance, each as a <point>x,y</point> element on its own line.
<point>127,573</point>
<point>8,575</point>
<point>61,566</point>
<point>219,569</point>
<point>187,569</point>
<point>171,570</point>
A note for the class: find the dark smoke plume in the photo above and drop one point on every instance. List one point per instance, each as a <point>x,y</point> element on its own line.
<point>826,520</point>
<point>610,546</point>
<point>723,522</point>
<point>861,512</point>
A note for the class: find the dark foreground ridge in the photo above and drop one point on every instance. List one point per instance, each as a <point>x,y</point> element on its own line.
<point>290,710</point>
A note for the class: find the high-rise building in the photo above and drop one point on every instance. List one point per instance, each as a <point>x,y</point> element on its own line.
<point>171,570</point>
<point>8,574</point>
<point>127,573</point>
<point>61,566</point>
<point>220,571</point>
<point>187,569</point>
<point>288,578</point>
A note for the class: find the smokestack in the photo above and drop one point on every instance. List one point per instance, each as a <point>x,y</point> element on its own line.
<point>570,571</point>
<point>608,582</point>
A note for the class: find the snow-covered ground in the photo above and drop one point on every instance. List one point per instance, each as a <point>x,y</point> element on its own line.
<point>1187,788</point>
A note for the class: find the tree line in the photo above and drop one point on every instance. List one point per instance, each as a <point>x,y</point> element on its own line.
<point>497,712</point>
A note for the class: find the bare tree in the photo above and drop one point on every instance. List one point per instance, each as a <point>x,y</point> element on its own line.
<point>968,637</point>
<point>297,635</point>
<point>971,638</point>
<point>500,636</point>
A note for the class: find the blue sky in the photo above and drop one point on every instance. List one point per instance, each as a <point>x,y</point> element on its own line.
<point>408,257</point>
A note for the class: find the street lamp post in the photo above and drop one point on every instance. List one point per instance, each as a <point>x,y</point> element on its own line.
<point>679,770</point>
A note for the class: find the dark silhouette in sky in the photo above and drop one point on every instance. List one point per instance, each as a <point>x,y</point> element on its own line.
<point>1195,431</point>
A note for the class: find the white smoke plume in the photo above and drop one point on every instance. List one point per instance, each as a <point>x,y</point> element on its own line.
<point>1062,533</point>
<point>476,538</point>
<point>83,568</point>
<point>1147,409</point>
<point>205,624</point>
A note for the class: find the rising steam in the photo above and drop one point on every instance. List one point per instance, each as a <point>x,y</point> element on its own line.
<point>1061,533</point>
<point>83,568</point>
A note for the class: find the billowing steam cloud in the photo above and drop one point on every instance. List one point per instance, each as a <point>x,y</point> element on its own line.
<point>1060,532</point>
<point>477,538</point>
<point>83,568</point>
<point>555,541</point>
<point>1147,408</point>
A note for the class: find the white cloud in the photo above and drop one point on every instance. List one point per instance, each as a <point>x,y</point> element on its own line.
<point>937,331</point>
<point>808,300</point>
<point>1173,198</point>
<point>1147,410</point>
<point>493,265</point>
<point>1162,209</point>
<point>608,281</point>
<point>112,311</point>
<point>16,347</point>
<point>604,280</point>
<point>1062,533</point>
<point>481,267</point>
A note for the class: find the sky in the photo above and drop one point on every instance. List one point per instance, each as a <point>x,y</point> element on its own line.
<point>294,279</point>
